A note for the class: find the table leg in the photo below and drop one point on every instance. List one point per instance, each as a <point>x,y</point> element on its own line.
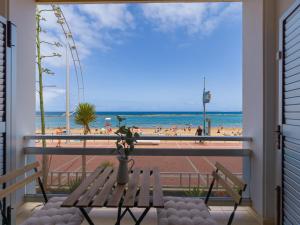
<point>137,221</point>
<point>132,215</point>
<point>119,215</point>
<point>124,212</point>
<point>86,216</point>
<point>142,216</point>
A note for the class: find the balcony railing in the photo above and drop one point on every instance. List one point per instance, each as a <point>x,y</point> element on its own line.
<point>28,149</point>
<point>183,180</point>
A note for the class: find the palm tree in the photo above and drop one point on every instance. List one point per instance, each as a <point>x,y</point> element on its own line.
<point>84,115</point>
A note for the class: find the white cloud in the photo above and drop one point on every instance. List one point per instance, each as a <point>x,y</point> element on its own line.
<point>101,26</point>
<point>92,26</point>
<point>51,95</point>
<point>193,17</point>
<point>109,16</point>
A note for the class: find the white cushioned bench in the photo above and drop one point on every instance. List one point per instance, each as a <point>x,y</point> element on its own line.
<point>51,213</point>
<point>194,211</point>
<point>184,211</point>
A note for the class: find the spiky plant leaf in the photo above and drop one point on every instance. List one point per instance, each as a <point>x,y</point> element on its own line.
<point>84,115</point>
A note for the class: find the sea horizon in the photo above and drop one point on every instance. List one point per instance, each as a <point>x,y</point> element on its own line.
<point>149,119</point>
<point>149,111</point>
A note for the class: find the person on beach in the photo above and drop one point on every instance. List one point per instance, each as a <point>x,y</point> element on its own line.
<point>199,132</point>
<point>58,132</point>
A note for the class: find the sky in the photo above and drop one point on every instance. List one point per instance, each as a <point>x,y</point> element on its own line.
<point>148,57</point>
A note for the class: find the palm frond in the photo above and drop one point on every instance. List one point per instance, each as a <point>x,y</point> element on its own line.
<point>85,114</point>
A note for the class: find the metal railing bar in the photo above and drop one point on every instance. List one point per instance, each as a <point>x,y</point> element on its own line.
<point>63,179</point>
<point>233,152</point>
<point>144,137</point>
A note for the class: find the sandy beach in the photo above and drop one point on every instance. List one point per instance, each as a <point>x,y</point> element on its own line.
<point>215,131</point>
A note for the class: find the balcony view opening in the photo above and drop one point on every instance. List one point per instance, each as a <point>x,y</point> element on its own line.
<point>165,70</point>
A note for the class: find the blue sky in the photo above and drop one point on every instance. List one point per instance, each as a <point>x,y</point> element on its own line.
<point>150,57</point>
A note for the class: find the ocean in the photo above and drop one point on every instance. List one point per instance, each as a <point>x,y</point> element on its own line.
<point>150,119</point>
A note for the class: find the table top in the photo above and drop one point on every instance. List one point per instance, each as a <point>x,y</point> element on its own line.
<point>100,189</point>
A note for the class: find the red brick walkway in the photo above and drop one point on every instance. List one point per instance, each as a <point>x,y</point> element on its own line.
<point>165,163</point>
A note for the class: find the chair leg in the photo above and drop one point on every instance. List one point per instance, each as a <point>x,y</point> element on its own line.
<point>5,219</point>
<point>209,191</point>
<point>232,214</point>
<point>41,187</point>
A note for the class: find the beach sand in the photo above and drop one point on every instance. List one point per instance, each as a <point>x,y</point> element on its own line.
<point>215,131</point>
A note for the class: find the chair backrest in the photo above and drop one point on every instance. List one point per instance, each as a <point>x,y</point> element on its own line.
<point>235,190</point>
<point>233,185</point>
<point>22,182</point>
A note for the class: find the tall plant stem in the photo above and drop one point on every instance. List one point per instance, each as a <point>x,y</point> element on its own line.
<point>84,162</point>
<point>45,161</point>
<point>84,156</point>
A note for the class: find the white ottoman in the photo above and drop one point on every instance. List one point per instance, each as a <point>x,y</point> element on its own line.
<point>184,211</point>
<point>52,214</point>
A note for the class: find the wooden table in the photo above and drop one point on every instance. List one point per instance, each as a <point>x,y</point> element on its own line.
<point>100,189</point>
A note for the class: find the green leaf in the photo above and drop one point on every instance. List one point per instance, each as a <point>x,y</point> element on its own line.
<point>127,138</point>
<point>84,115</point>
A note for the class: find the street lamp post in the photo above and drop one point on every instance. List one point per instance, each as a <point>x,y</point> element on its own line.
<point>67,90</point>
<point>204,110</point>
<point>205,99</point>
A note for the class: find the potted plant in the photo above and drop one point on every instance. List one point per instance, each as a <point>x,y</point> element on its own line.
<point>124,147</point>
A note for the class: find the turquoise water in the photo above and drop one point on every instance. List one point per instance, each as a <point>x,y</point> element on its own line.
<point>150,119</point>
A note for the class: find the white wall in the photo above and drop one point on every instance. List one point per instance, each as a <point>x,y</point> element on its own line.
<point>253,92</point>
<point>22,13</point>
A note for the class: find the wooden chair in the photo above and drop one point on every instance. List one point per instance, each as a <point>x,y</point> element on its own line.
<point>194,211</point>
<point>51,207</point>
